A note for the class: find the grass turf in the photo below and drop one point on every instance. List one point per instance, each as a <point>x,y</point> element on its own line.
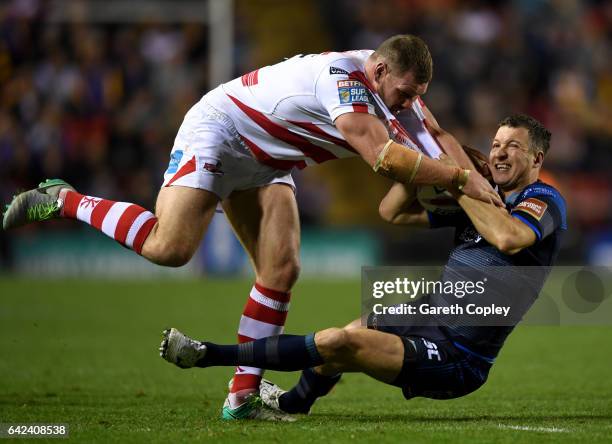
<point>85,353</point>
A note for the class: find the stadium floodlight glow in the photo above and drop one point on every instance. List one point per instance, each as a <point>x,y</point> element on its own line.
<point>217,14</point>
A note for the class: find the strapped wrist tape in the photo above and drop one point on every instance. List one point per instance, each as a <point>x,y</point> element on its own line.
<point>397,162</point>
<point>461,179</point>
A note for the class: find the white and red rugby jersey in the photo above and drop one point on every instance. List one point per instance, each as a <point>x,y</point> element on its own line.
<point>285,112</point>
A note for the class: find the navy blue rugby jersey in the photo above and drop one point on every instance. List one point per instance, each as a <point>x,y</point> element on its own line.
<point>511,280</point>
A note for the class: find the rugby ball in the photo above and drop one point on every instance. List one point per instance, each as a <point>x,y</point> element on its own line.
<point>437,200</point>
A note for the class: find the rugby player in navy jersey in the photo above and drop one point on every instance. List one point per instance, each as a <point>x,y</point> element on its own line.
<point>446,358</point>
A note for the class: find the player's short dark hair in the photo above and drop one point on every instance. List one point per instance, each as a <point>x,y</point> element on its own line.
<point>539,136</point>
<point>405,53</point>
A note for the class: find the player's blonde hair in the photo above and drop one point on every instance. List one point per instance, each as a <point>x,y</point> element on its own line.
<point>406,52</point>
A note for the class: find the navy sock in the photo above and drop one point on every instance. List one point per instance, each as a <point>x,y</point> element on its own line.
<point>283,352</point>
<point>311,386</point>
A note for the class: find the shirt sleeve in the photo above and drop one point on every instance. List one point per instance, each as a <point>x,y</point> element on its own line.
<point>340,90</point>
<point>542,209</point>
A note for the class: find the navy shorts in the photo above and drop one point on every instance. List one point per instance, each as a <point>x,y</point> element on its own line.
<point>433,366</point>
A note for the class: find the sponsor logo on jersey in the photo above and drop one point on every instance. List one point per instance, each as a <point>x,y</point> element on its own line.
<point>334,70</point>
<point>353,91</point>
<point>469,234</point>
<point>533,207</point>
<point>175,159</point>
<point>214,168</point>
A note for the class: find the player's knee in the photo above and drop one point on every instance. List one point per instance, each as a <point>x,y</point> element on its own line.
<point>178,257</point>
<point>352,340</point>
<point>332,343</point>
<point>169,253</point>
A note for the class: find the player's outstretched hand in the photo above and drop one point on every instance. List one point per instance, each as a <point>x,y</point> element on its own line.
<point>479,188</point>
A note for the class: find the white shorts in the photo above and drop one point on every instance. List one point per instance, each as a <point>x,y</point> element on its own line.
<point>208,154</point>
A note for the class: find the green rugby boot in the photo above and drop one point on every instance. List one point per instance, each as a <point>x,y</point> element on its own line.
<point>35,205</point>
<point>254,408</point>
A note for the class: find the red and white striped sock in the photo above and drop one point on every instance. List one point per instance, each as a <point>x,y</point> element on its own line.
<point>127,223</point>
<point>264,315</point>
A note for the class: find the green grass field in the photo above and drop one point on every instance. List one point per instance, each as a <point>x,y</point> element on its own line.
<point>85,353</point>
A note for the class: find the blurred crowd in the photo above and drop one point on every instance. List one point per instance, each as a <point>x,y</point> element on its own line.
<point>99,104</point>
<point>96,105</point>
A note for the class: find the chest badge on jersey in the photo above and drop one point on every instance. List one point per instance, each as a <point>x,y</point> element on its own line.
<point>353,91</point>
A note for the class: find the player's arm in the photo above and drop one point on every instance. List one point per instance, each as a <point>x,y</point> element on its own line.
<point>400,207</point>
<point>506,233</point>
<point>447,141</point>
<point>369,137</point>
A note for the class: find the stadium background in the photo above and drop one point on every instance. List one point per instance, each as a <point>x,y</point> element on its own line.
<point>94,92</point>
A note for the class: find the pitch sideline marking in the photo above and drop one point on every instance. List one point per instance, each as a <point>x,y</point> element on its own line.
<point>533,429</point>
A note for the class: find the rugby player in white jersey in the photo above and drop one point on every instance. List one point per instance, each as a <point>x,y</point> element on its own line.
<point>238,145</point>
